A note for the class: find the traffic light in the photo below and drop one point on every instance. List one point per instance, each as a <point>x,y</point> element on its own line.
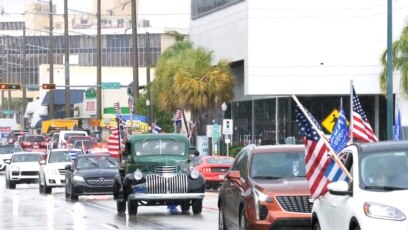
<point>48,86</point>
<point>7,86</point>
<point>227,125</point>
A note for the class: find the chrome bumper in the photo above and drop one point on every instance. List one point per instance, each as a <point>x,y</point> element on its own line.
<point>169,196</point>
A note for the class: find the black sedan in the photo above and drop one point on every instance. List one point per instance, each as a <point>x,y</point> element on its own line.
<point>90,174</point>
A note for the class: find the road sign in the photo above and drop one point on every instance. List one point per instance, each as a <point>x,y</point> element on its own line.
<point>227,126</point>
<point>216,132</point>
<point>329,122</point>
<point>110,85</point>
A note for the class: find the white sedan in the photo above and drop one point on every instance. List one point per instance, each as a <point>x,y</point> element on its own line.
<point>52,169</point>
<point>376,198</point>
<point>22,168</point>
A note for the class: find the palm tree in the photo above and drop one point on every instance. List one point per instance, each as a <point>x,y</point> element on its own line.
<point>185,78</point>
<point>400,61</point>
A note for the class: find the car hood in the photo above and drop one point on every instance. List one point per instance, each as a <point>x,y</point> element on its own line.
<point>290,186</point>
<point>27,166</point>
<point>5,156</point>
<point>57,165</point>
<point>105,172</point>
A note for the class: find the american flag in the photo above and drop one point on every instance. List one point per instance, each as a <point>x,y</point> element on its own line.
<point>130,105</point>
<point>113,142</point>
<point>155,127</point>
<point>362,130</point>
<point>178,116</point>
<point>117,107</point>
<point>191,131</point>
<point>320,170</point>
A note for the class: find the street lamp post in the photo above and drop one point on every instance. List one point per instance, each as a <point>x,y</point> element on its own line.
<point>223,108</point>
<point>149,120</point>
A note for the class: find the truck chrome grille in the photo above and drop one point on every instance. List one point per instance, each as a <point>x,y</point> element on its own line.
<point>157,184</point>
<point>165,170</point>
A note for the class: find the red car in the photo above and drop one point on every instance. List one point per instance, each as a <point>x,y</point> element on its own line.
<point>72,138</point>
<point>213,168</point>
<point>33,143</point>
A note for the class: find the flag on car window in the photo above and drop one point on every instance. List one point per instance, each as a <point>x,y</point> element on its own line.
<point>340,137</point>
<point>362,130</point>
<point>318,172</point>
<point>397,126</point>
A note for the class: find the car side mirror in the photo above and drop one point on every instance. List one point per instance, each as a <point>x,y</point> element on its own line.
<point>7,161</point>
<point>196,153</point>
<point>68,167</point>
<point>339,188</point>
<point>234,175</point>
<point>42,162</point>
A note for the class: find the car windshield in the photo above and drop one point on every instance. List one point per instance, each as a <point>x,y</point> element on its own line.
<point>34,139</point>
<point>160,147</point>
<point>29,157</point>
<point>59,156</point>
<point>92,162</point>
<point>219,160</point>
<point>278,165</point>
<point>7,149</point>
<point>384,170</point>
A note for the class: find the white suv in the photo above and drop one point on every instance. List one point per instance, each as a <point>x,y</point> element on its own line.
<point>376,198</point>
<point>22,168</point>
<point>6,151</point>
<point>52,170</point>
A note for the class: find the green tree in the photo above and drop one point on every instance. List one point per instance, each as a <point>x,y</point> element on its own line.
<point>186,78</point>
<point>400,62</point>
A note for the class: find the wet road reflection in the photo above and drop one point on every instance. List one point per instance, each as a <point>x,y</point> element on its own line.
<point>25,208</point>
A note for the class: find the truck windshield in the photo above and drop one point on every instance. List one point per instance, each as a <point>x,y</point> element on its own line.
<point>160,147</point>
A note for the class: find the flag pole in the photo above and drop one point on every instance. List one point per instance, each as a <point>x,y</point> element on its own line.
<point>331,151</point>
<point>351,112</point>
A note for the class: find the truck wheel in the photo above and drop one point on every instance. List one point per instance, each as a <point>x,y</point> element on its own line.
<point>121,206</point>
<point>197,206</point>
<point>132,207</point>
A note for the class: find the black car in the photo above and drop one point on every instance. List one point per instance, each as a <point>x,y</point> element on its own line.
<point>90,174</point>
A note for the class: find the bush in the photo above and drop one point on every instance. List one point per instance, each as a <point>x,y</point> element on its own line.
<point>234,150</point>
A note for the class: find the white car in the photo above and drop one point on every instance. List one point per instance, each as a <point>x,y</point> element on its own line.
<point>6,151</point>
<point>22,168</point>
<point>52,169</point>
<point>376,198</point>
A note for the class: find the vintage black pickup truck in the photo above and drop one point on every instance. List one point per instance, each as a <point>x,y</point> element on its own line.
<point>156,171</point>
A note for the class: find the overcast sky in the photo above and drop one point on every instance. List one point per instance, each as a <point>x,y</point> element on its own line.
<point>161,13</point>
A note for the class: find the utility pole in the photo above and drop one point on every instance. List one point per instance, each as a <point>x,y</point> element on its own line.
<point>98,63</point>
<point>390,93</point>
<point>135,51</point>
<point>51,62</point>
<point>67,92</point>
<point>23,121</point>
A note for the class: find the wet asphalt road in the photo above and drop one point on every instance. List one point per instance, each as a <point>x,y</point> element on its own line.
<point>26,209</point>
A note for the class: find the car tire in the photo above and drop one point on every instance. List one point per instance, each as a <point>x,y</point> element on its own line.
<point>243,221</point>
<point>7,183</point>
<point>66,193</point>
<point>12,185</point>
<point>47,190</point>
<point>221,220</point>
<point>40,186</point>
<point>132,207</point>
<point>316,225</point>
<point>121,206</point>
<point>72,196</point>
<point>185,207</point>
<point>197,206</point>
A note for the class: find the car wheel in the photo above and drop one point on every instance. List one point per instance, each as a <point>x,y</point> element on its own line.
<point>132,207</point>
<point>7,183</point>
<point>243,221</point>
<point>47,189</point>
<point>121,206</point>
<point>72,196</point>
<point>12,185</point>
<point>356,227</point>
<point>185,207</point>
<point>316,225</point>
<point>66,193</point>
<point>197,206</point>
<point>221,221</point>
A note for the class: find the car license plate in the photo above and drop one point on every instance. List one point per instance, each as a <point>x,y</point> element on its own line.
<point>140,189</point>
<point>221,177</point>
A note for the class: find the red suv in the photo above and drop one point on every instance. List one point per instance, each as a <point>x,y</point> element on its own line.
<point>266,188</point>
<point>33,142</point>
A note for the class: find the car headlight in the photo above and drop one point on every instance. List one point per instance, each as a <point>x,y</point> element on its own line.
<point>194,174</point>
<point>138,175</point>
<point>259,197</point>
<point>79,179</point>
<point>51,171</point>
<point>382,211</point>
<point>15,168</point>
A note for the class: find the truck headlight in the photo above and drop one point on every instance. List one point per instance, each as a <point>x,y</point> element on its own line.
<point>194,174</point>
<point>78,179</point>
<point>138,175</point>
<point>382,211</point>
<point>15,168</point>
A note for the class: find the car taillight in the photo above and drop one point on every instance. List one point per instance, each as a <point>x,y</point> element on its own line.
<point>26,144</point>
